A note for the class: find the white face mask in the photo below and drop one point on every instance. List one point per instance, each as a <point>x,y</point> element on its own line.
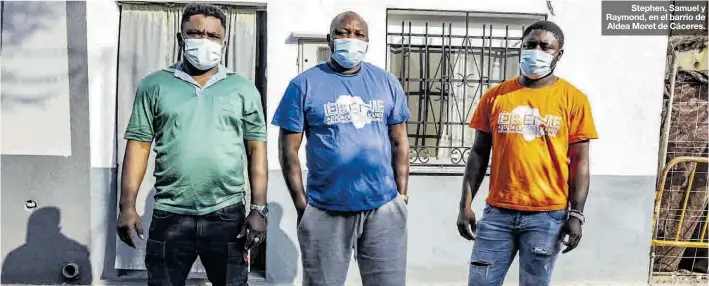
<point>535,64</point>
<point>203,54</point>
<point>349,52</point>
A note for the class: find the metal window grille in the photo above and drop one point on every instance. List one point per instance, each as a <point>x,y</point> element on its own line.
<point>445,63</point>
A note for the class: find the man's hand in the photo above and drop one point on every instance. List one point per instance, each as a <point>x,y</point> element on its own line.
<point>254,229</point>
<point>571,234</point>
<point>128,222</point>
<point>466,223</point>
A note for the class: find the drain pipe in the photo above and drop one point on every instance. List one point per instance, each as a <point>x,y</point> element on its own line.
<point>70,272</point>
<point>665,135</point>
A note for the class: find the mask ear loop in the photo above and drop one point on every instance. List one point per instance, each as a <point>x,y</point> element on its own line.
<point>181,50</point>
<point>555,61</point>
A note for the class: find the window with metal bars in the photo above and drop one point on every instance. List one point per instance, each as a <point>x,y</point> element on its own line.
<point>445,61</point>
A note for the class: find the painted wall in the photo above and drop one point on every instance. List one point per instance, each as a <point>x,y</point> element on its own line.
<point>621,75</point>
<point>610,77</point>
<point>37,243</point>
<point>102,38</point>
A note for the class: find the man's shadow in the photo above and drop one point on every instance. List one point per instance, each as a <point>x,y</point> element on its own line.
<point>282,259</point>
<point>46,252</point>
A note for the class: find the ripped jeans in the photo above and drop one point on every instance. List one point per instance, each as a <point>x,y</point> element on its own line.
<point>501,233</point>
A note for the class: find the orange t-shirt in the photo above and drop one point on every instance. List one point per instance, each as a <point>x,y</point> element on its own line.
<point>531,131</point>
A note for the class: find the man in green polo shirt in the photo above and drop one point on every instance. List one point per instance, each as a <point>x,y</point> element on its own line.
<point>204,121</point>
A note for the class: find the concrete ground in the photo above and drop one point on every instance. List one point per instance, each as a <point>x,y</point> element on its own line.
<point>261,282</point>
<point>255,280</point>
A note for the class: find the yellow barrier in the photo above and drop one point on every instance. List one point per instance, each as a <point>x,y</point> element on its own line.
<point>658,201</point>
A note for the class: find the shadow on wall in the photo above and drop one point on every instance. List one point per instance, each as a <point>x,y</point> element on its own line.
<point>22,23</point>
<point>282,268</point>
<point>108,270</point>
<point>42,259</point>
<point>17,23</point>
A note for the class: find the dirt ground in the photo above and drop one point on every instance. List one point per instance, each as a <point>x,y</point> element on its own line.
<point>681,278</point>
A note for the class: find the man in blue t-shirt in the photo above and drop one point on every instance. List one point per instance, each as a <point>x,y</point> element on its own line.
<point>353,115</point>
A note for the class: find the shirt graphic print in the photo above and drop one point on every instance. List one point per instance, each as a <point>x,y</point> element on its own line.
<point>528,122</point>
<point>352,109</point>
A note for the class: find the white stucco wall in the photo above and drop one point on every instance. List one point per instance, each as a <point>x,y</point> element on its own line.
<point>622,76</point>
<point>102,22</point>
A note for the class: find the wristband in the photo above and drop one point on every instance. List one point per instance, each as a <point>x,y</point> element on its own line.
<point>577,214</point>
<point>405,197</point>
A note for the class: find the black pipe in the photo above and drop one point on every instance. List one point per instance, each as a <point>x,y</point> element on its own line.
<point>70,272</point>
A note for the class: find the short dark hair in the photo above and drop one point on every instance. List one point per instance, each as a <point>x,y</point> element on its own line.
<point>207,10</point>
<point>548,26</point>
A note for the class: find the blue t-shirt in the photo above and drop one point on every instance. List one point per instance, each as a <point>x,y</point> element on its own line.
<point>345,119</point>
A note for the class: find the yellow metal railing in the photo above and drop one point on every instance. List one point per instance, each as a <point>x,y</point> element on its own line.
<point>658,201</point>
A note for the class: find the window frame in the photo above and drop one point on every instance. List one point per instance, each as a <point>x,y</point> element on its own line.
<point>455,165</point>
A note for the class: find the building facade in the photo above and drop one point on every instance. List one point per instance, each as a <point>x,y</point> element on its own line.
<point>446,53</point>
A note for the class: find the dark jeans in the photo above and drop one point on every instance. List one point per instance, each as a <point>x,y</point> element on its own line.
<point>175,241</point>
<point>502,233</point>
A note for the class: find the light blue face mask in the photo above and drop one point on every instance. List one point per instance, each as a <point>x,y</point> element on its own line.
<point>349,52</point>
<point>535,64</point>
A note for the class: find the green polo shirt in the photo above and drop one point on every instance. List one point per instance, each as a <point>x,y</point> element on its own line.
<point>199,135</point>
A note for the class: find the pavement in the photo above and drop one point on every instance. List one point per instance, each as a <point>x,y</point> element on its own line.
<point>255,280</point>
<point>261,282</point>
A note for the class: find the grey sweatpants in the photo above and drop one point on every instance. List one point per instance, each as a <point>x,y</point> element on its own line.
<point>378,238</point>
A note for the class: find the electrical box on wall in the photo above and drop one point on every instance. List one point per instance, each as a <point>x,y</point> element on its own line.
<point>311,53</point>
<point>312,50</point>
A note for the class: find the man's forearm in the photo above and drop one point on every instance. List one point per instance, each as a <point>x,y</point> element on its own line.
<point>258,172</point>
<point>401,164</point>
<point>579,184</point>
<point>135,162</point>
<point>475,171</point>
<point>129,194</point>
<point>475,168</point>
<point>290,166</point>
<point>579,175</point>
<point>399,139</point>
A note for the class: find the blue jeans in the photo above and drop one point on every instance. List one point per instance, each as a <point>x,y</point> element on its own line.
<point>175,241</point>
<point>501,233</point>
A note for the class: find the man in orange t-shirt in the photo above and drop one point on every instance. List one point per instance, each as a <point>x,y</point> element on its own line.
<point>538,127</point>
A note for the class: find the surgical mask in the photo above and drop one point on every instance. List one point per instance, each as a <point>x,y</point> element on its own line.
<point>535,64</point>
<point>349,52</point>
<point>203,54</point>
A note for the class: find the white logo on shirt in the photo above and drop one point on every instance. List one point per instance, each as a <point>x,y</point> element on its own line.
<point>527,121</point>
<point>352,109</point>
